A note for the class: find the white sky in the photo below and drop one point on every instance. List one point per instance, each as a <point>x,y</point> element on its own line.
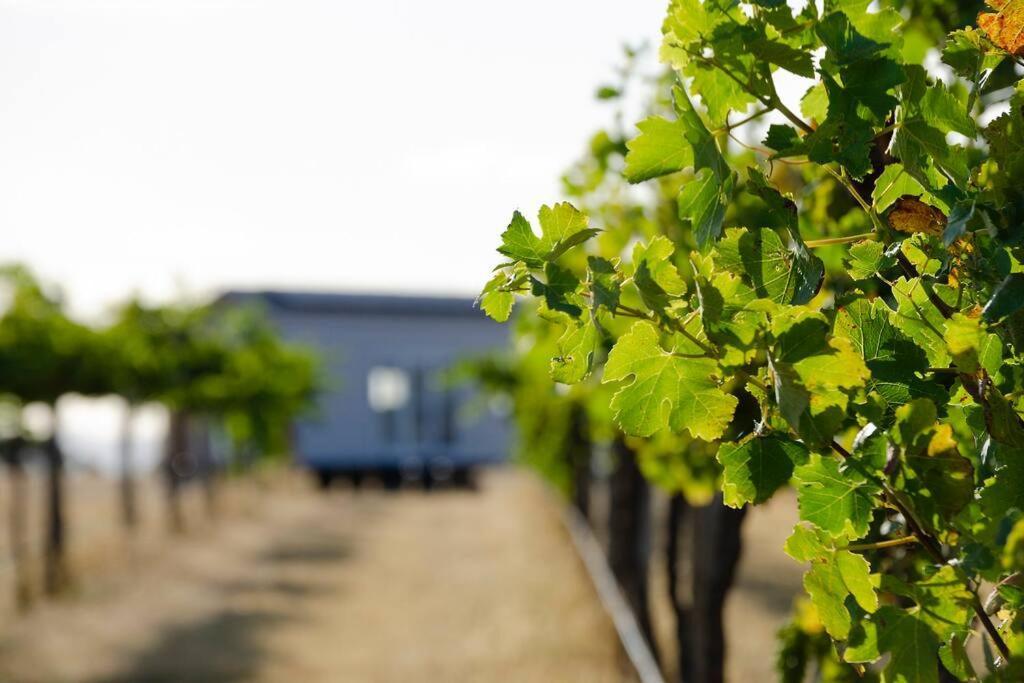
<point>168,145</point>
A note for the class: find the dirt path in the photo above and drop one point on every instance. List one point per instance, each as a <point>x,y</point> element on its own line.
<point>450,586</point>
<point>368,587</point>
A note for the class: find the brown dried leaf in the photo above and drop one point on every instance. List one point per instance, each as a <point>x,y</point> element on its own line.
<point>1005,26</point>
<point>910,214</point>
<point>962,250</point>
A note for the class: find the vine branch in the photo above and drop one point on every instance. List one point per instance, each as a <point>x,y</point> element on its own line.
<point>891,543</point>
<point>934,550</point>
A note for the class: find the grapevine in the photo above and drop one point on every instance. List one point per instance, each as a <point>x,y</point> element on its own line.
<point>857,275</point>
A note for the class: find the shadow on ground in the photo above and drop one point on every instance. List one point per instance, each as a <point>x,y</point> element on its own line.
<point>313,550</point>
<point>223,648</point>
<point>229,645</point>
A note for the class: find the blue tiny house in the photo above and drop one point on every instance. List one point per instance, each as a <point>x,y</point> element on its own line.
<point>384,409</point>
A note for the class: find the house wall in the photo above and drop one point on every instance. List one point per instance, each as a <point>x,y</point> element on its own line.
<point>347,433</point>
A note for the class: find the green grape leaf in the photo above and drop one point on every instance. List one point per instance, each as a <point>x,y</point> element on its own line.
<point>1005,490</point>
<point>655,259</point>
<point>862,643</point>
<point>564,227</point>
<point>690,20</point>
<point>916,141</point>
<point>867,258</point>
<point>918,248</point>
<point>756,467</point>
<point>1002,421</point>
<point>725,319</point>
<point>781,207</point>
<point>959,215</point>
<point>773,270</point>
<point>705,150</point>
<point>919,355</point>
<point>918,317</point>
<point>576,348</point>
<point>1005,135</point>
<point>655,275</point>
<point>784,140</point>
<point>845,44</point>
<point>913,420</point>
<point>1007,298</point>
<point>956,660</point>
<point>969,52</point>
<point>913,89</point>
<point>779,16</point>
<point>800,332</point>
<point>880,26</point>
<point>911,644</point>
<point>846,141</point>
<point>831,580</point>
<point>837,500</point>
<point>702,200</point>
<point>735,44</point>
<point>808,543</point>
<point>793,399</point>
<point>780,54</point>
<point>812,374</point>
<point>817,415</point>
<point>519,242</point>
<point>893,359</point>
<point>660,149</point>
<point>605,281</point>
<point>665,390</point>
<point>866,89</point>
<point>944,111</point>
<point>947,476</point>
<point>560,290</point>
<point>719,93</point>
<point>943,602</point>
<point>856,573</point>
<point>895,183</point>
<point>971,346</point>
<point>824,584</point>
<point>494,301</point>
<point>871,447</point>
<point>814,104</point>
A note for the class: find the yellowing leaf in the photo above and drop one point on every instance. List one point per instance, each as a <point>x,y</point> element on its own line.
<point>1005,26</point>
<point>910,214</point>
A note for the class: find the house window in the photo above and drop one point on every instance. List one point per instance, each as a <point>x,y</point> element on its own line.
<point>387,391</point>
<point>387,388</point>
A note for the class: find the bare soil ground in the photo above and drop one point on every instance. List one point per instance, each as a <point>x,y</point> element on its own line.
<point>366,586</point>
<point>289,585</point>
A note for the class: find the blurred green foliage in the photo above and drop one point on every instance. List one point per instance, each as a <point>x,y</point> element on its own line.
<point>226,363</point>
